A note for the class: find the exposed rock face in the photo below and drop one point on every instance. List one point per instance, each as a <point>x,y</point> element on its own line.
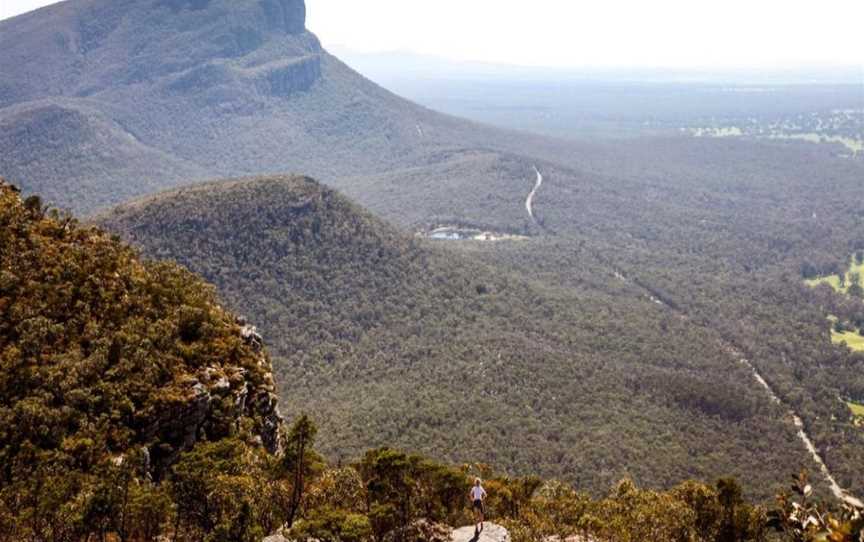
<point>287,15</point>
<point>285,79</point>
<point>143,367</point>
<point>490,533</point>
<point>95,44</point>
<point>217,400</point>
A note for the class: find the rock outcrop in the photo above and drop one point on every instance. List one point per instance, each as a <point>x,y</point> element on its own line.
<point>218,399</point>
<point>134,360</point>
<point>491,533</point>
<point>287,15</point>
<point>286,78</point>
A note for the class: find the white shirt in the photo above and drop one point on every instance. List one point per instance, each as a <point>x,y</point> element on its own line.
<point>478,493</point>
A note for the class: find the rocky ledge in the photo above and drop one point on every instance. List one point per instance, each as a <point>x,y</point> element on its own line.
<point>216,402</point>
<point>491,533</point>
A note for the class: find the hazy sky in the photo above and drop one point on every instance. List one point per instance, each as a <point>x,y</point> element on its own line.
<point>664,33</point>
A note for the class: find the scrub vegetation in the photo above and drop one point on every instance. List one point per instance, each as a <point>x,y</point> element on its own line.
<point>83,429</point>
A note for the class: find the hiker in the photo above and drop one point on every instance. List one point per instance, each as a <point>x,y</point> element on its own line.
<point>478,497</point>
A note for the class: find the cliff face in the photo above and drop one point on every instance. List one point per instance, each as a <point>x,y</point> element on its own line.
<point>288,15</point>
<point>102,354</point>
<point>218,400</point>
<point>102,101</point>
<point>82,48</point>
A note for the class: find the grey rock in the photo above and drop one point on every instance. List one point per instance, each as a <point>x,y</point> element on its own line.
<point>491,533</point>
<point>178,427</point>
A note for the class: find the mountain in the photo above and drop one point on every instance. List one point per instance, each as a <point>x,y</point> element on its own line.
<point>103,100</point>
<point>394,340</point>
<point>650,267</point>
<point>134,407</point>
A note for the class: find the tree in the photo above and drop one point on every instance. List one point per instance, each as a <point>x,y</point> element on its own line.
<point>729,497</point>
<point>388,481</point>
<point>218,491</point>
<point>298,460</point>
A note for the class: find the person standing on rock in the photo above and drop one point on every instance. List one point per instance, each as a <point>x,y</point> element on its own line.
<point>478,499</point>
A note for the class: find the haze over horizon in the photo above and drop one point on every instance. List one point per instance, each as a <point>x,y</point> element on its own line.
<point>669,34</point>
<point>257,285</point>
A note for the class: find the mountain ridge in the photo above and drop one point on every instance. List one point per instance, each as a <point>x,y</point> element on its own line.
<point>204,101</point>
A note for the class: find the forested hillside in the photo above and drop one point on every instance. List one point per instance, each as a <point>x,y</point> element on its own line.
<point>614,332</point>
<point>136,408</point>
<point>110,370</point>
<point>462,354</point>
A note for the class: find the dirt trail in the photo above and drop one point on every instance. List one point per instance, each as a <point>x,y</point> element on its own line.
<point>840,493</point>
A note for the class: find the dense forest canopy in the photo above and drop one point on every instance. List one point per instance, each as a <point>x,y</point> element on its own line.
<point>531,356</point>
<point>665,308</point>
<point>106,361</point>
<point>136,408</point>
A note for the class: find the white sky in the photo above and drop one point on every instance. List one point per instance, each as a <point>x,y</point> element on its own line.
<point>573,33</point>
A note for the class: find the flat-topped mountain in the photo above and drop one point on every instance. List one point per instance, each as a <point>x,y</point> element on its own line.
<point>83,48</point>
<point>103,100</point>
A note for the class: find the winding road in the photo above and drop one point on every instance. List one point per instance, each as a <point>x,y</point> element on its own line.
<point>840,493</point>
<point>529,203</point>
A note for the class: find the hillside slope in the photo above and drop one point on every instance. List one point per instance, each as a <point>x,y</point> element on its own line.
<point>102,101</point>
<point>392,340</point>
<point>110,370</point>
<point>151,94</point>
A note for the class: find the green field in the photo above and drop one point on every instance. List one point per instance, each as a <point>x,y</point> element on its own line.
<point>834,280</point>
<point>854,340</point>
<point>857,413</point>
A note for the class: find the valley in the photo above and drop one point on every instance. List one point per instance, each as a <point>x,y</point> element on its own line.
<point>599,337</point>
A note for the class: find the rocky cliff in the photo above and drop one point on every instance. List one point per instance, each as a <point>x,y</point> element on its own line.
<point>102,355</point>
<point>154,94</point>
<point>88,46</point>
